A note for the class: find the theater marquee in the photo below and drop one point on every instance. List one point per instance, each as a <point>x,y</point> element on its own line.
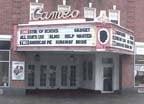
<point>74,35</point>
<point>123,40</point>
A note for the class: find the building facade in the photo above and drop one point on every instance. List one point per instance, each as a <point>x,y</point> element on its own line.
<point>61,44</point>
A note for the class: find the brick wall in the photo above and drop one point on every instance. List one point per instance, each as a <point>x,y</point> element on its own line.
<point>127,73</point>
<point>139,20</point>
<point>17,11</point>
<point>5,16</point>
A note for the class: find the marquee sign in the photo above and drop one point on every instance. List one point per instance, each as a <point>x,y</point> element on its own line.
<point>40,15</point>
<point>122,40</point>
<point>74,35</point>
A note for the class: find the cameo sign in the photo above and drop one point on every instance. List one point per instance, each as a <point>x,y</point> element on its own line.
<point>39,14</point>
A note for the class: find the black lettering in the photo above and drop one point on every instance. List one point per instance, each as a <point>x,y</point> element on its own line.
<point>23,37</point>
<point>31,36</point>
<point>54,36</point>
<point>82,30</point>
<point>69,35</point>
<point>49,42</point>
<point>37,42</point>
<point>64,41</point>
<point>40,31</point>
<point>24,42</point>
<point>40,36</point>
<point>81,41</point>
<point>84,35</point>
<point>51,30</point>
<point>32,31</point>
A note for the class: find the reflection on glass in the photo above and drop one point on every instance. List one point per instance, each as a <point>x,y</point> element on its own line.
<point>4,55</point>
<point>107,61</point>
<point>108,72</point>
<point>139,75</point>
<point>73,75</point>
<point>52,76</point>
<point>4,73</point>
<point>84,70</point>
<point>64,77</point>
<point>139,59</point>
<point>90,70</point>
<point>43,75</point>
<point>139,70</point>
<point>4,45</point>
<point>107,78</point>
<point>107,84</point>
<point>31,75</point>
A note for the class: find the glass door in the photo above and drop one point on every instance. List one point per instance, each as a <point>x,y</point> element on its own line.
<point>43,76</point>
<point>52,76</point>
<point>107,81</point>
<point>31,76</point>
<point>72,76</point>
<point>107,65</point>
<point>68,77</point>
<point>64,76</point>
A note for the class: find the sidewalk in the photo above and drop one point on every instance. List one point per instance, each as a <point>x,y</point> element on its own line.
<point>124,98</point>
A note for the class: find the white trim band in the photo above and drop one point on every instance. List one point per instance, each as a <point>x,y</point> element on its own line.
<point>5,37</point>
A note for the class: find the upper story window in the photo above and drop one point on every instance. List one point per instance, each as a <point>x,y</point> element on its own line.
<point>4,45</point>
<point>139,70</point>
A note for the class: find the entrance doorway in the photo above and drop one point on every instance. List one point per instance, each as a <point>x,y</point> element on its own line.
<point>68,77</point>
<point>107,79</point>
<point>107,64</point>
<point>51,76</point>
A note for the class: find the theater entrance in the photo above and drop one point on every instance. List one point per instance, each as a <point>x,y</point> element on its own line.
<point>52,76</point>
<point>98,71</point>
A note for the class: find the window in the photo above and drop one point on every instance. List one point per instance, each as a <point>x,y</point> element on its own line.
<point>4,55</point>
<point>139,70</point>
<point>107,61</point>
<point>31,75</point>
<point>5,45</point>
<point>4,62</point>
